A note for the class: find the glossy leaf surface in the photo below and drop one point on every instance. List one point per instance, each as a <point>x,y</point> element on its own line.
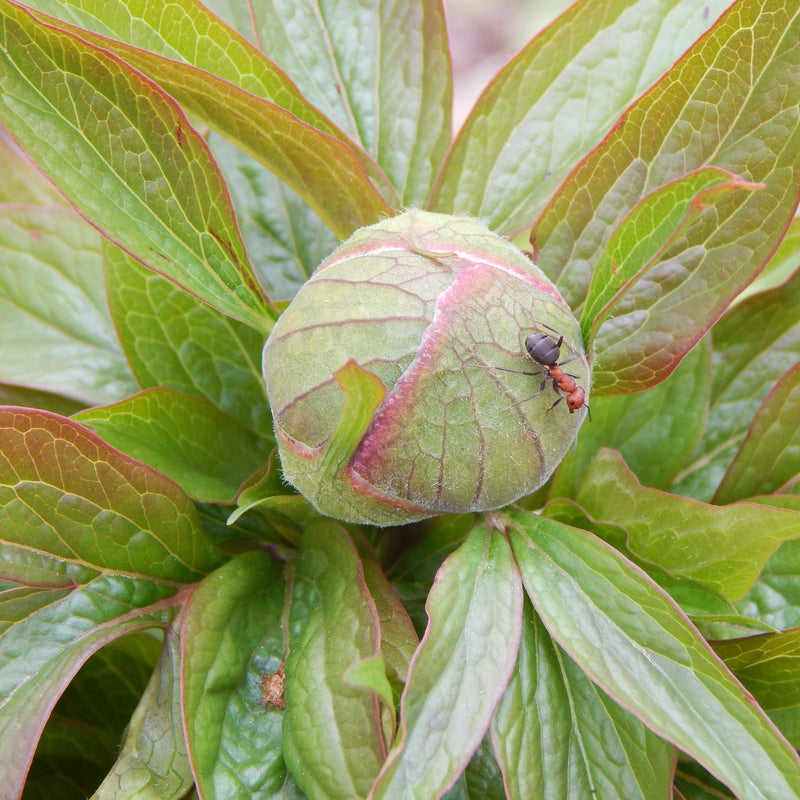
<point>67,494</point>
<point>770,454</point>
<point>231,640</point>
<point>694,117</point>
<point>332,738</point>
<point>555,100</point>
<point>664,529</point>
<point>768,667</point>
<point>171,339</point>
<point>460,670</point>
<point>135,168</point>
<point>207,453</point>
<point>584,592</point>
<point>55,330</point>
<point>239,92</point>
<point>557,735</point>
<point>381,71</point>
<point>153,763</point>
<point>755,343</point>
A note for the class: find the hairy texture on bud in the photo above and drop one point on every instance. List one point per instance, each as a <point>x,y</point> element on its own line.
<point>435,307</point>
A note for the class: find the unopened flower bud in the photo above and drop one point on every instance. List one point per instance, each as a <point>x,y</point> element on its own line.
<point>394,375</point>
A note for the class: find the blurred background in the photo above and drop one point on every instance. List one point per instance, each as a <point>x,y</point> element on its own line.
<point>484,35</point>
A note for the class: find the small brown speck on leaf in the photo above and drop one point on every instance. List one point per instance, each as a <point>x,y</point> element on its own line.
<point>272,688</point>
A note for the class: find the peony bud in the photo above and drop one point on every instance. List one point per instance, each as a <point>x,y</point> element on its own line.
<point>389,374</point>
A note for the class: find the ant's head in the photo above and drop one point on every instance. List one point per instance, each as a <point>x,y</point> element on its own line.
<point>577,398</point>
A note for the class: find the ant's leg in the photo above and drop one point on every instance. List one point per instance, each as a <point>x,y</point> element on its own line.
<point>560,398</point>
<point>560,335</point>
<point>536,394</point>
<point>530,397</point>
<point>506,369</point>
<point>517,371</point>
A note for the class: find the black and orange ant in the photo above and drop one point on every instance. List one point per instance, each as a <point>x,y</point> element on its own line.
<point>545,351</point>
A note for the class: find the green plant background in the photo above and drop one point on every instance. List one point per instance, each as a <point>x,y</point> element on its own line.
<point>156,569</point>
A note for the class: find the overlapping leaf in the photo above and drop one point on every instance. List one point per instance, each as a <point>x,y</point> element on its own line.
<point>381,71</point>
<point>769,667</point>
<point>775,598</point>
<point>65,494</point>
<point>755,343</point>
<point>237,91</point>
<point>153,762</point>
<point>636,645</point>
<point>231,641</point>
<point>551,712</point>
<point>722,547</point>
<point>206,452</point>
<point>723,106</point>
<point>82,736</point>
<point>285,238</point>
<point>770,454</point>
<point>557,99</point>
<point>33,678</point>
<point>332,737</point>
<point>173,340</point>
<point>460,670</point>
<point>22,182</point>
<point>656,430</point>
<point>641,239</point>
<point>128,160</point>
<point>55,330</point>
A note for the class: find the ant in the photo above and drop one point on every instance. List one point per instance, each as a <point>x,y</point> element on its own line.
<point>545,351</point>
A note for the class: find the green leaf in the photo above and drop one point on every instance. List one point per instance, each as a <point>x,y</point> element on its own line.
<point>775,598</point>
<point>55,331</point>
<point>80,740</point>
<point>232,639</point>
<point>784,262</point>
<point>554,101</point>
<point>66,494</point>
<point>22,183</point>
<point>370,674</point>
<point>153,763</point>
<point>722,547</point>
<point>266,491</point>
<point>656,430</point>
<point>381,71</point>
<point>414,571</point>
<point>364,392</point>
<point>332,738</point>
<point>11,395</point>
<point>173,340</point>
<point>634,643</point>
<point>189,32</point>
<point>747,125</point>
<point>460,670</point>
<point>127,159</point>
<point>556,735</point>
<point>770,454</point>
<point>206,452</point>
<point>695,599</point>
<point>398,638</point>
<point>755,343</point>
<point>641,240</point>
<point>239,93</point>
<point>769,666</point>
<point>66,630</point>
<point>482,777</point>
<point>285,238</point>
